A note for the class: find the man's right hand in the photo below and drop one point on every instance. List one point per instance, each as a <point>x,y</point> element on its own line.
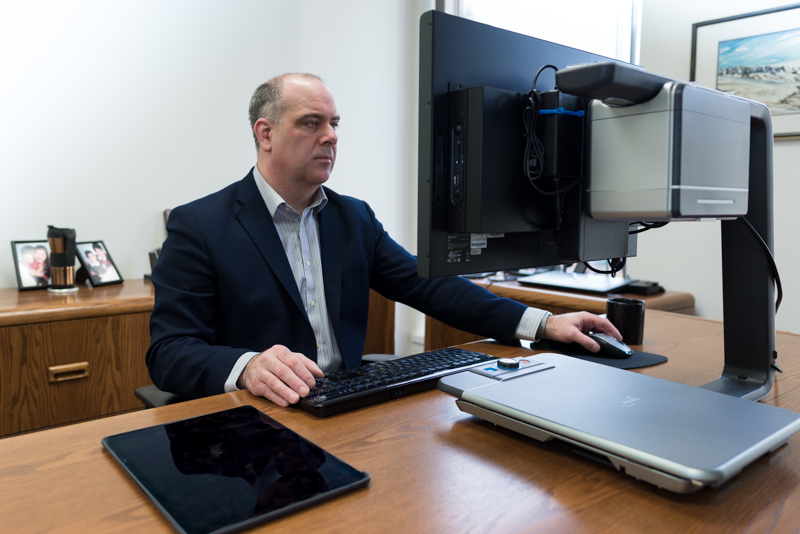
<point>279,375</point>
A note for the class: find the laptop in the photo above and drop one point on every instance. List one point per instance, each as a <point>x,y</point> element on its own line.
<point>678,437</point>
<point>590,282</point>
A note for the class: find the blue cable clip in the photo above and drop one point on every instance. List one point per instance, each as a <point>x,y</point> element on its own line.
<point>561,111</point>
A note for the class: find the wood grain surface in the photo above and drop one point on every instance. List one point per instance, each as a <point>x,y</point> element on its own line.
<point>439,335</point>
<point>380,326</point>
<point>105,327</point>
<point>557,301</point>
<point>434,469</point>
<point>39,306</point>
<point>114,348</point>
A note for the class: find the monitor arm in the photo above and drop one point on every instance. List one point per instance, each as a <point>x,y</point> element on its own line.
<point>748,290</point>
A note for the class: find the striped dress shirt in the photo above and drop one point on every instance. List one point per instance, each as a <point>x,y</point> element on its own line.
<point>299,234</point>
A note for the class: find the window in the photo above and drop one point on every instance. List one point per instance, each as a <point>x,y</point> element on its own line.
<point>609,28</point>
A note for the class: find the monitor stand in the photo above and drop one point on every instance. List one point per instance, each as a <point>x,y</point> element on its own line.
<point>748,289</point>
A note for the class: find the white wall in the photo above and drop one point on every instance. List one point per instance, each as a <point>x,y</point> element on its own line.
<point>111,112</point>
<point>687,256</point>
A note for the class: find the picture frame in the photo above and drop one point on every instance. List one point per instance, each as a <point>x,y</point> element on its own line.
<point>757,56</point>
<point>32,264</point>
<point>95,259</point>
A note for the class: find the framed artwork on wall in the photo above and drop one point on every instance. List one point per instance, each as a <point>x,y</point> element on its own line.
<point>757,56</point>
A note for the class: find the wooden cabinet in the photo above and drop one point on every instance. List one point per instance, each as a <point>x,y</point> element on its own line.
<point>66,358</point>
<point>380,326</point>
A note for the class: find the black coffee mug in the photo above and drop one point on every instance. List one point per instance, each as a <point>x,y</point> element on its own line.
<point>628,316</point>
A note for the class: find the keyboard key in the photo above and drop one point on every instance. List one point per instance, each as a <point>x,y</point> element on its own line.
<point>347,389</point>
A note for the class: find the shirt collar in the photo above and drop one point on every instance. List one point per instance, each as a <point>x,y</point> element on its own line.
<point>274,201</point>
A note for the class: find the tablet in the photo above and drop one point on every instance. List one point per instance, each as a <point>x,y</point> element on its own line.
<point>230,470</point>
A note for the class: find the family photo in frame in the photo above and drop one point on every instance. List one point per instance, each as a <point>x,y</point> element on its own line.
<point>32,263</point>
<point>100,268</point>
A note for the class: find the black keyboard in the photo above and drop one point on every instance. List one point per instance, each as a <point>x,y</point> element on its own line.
<point>348,389</point>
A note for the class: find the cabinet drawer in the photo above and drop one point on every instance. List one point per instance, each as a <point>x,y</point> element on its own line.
<point>66,371</point>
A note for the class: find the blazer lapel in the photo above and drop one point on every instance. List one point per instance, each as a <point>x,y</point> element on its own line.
<point>330,249</point>
<point>254,216</point>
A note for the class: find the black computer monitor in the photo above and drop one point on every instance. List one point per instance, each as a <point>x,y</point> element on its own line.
<point>491,218</point>
<point>467,68</point>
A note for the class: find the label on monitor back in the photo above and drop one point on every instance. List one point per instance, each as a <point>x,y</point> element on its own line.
<point>458,248</point>
<point>478,240</point>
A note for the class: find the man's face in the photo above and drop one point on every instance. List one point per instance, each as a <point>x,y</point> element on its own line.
<point>303,144</point>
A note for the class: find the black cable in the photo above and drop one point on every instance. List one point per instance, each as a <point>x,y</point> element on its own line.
<point>558,208</point>
<point>646,226</point>
<point>773,267</point>
<point>535,78</point>
<point>533,162</point>
<point>616,264</point>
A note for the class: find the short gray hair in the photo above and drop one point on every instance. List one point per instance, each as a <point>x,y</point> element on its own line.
<point>267,101</point>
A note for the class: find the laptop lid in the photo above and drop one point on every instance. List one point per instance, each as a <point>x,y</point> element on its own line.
<point>678,437</point>
<point>590,282</point>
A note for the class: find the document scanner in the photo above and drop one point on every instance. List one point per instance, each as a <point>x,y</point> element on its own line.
<point>679,152</point>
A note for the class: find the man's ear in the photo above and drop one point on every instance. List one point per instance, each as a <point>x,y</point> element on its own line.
<point>263,132</point>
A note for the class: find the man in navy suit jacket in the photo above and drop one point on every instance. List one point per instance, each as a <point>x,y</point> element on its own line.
<point>265,284</point>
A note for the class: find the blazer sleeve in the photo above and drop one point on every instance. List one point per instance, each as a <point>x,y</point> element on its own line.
<point>452,300</point>
<point>183,356</point>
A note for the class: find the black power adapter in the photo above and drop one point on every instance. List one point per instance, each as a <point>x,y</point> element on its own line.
<point>560,128</point>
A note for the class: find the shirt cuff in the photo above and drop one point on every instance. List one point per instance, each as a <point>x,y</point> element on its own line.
<point>241,363</point>
<point>532,324</point>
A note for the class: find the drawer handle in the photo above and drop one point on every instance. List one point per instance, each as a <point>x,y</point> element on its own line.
<point>71,371</point>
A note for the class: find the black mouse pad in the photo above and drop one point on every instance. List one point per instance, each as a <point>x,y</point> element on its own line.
<point>230,470</point>
<point>635,361</point>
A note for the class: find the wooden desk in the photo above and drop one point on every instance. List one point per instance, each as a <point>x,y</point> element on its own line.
<point>434,468</point>
<point>439,335</point>
<point>72,357</point>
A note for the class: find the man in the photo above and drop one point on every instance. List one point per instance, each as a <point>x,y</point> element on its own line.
<point>95,268</point>
<point>265,284</point>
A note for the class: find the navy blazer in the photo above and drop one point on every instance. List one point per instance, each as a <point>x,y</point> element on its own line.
<point>223,287</point>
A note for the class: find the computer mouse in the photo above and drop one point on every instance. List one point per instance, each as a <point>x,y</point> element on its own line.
<point>611,347</point>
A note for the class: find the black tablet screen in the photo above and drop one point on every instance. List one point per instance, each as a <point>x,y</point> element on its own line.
<point>228,470</point>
